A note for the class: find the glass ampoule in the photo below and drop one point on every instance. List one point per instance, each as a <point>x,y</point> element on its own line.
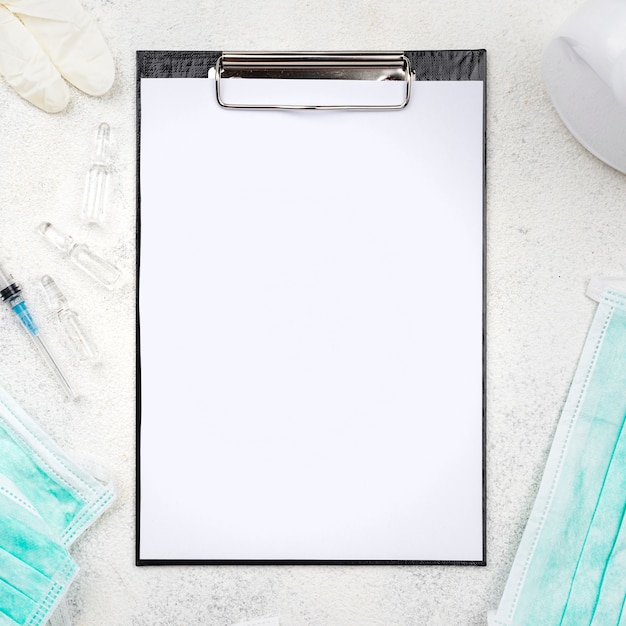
<point>73,331</point>
<point>97,185</point>
<point>91,263</point>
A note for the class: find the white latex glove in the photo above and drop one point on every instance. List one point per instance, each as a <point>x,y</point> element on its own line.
<point>44,41</point>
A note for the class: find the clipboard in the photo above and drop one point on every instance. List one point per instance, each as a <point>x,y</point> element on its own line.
<point>310,305</point>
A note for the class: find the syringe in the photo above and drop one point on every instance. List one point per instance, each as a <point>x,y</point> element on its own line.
<point>10,292</point>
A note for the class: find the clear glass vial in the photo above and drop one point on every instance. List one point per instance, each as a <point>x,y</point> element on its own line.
<point>97,185</point>
<point>91,263</point>
<point>73,331</point>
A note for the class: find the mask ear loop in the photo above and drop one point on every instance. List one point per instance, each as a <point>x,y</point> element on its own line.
<point>598,285</point>
<point>61,615</point>
<point>97,471</point>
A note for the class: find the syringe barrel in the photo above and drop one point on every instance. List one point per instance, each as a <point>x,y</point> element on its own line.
<point>8,287</point>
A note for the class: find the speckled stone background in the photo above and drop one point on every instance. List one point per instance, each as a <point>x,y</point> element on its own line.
<point>555,219</point>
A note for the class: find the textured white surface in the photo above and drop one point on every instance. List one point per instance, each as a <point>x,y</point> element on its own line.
<point>555,218</point>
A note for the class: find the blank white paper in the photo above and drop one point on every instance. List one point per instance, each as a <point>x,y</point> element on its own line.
<point>311,328</point>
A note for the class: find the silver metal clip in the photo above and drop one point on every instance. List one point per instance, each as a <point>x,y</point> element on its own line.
<point>382,66</point>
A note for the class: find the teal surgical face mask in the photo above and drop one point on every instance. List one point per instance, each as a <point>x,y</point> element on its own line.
<point>46,501</point>
<point>570,568</point>
<point>35,569</point>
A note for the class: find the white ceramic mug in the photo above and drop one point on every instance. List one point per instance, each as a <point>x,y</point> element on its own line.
<point>584,71</point>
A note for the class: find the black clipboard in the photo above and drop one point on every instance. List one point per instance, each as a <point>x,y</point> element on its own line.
<point>258,440</point>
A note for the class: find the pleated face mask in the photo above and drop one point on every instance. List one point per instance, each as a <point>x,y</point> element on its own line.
<point>570,568</point>
<point>46,501</point>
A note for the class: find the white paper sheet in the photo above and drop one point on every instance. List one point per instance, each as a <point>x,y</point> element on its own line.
<point>311,324</point>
